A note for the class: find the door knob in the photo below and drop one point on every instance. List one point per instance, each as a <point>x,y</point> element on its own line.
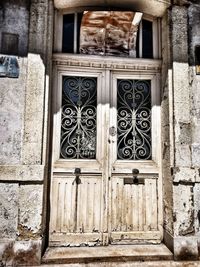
<point>112,131</point>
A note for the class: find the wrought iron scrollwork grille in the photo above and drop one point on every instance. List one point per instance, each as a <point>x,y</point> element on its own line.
<point>134,119</point>
<point>78,120</point>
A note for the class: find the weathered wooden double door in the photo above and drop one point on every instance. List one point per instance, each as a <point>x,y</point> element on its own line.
<point>105,132</point>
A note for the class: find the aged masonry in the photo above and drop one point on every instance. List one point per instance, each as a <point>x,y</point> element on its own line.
<point>100,131</point>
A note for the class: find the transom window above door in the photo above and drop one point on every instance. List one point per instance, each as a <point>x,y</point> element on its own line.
<point>106,160</point>
<point>108,33</point>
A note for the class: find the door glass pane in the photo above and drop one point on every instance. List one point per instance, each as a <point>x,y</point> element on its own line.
<point>68,33</point>
<point>80,15</point>
<point>147,39</point>
<point>134,119</point>
<point>78,126</point>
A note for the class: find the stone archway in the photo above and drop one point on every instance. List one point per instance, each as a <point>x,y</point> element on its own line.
<point>153,7</point>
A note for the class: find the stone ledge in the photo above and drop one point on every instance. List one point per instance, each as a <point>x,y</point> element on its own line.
<point>130,264</point>
<point>22,173</point>
<point>110,253</point>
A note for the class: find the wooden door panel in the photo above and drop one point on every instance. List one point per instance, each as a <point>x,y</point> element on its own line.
<point>99,208</point>
<point>134,209</point>
<point>76,210</point>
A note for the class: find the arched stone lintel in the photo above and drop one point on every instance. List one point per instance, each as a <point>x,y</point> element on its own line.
<point>151,7</point>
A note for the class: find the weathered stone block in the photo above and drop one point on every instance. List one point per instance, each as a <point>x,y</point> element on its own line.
<point>12,95</point>
<point>22,172</point>
<point>182,155</point>
<point>184,175</point>
<point>197,208</point>
<point>179,34</point>
<point>185,248</point>
<point>181,92</point>
<point>30,211</point>
<point>38,24</point>
<point>33,123</point>
<point>20,253</point>
<point>183,210</point>
<point>197,175</point>
<point>196,155</point>
<point>196,128</point>
<point>10,137</point>
<point>8,210</point>
<point>185,133</point>
<point>194,22</point>
<point>27,253</point>
<point>6,252</point>
<point>32,153</point>
<point>32,147</point>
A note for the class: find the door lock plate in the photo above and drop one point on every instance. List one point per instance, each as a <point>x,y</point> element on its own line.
<point>134,181</point>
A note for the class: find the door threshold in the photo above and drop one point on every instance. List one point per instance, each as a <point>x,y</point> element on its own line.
<point>111,253</point>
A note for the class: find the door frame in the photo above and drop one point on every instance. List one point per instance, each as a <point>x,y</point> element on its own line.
<point>103,67</point>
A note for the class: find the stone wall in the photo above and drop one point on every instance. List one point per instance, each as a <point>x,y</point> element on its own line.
<point>24,133</point>
<point>12,97</point>
<point>183,135</point>
<point>194,86</point>
<point>14,19</point>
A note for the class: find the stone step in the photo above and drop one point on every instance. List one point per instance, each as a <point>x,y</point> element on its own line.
<point>112,253</point>
<point>129,264</point>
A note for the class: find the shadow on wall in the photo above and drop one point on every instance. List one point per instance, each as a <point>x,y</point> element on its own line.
<point>14,30</point>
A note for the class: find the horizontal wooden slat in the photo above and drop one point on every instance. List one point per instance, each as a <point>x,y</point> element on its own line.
<point>136,235</point>
<point>61,239</point>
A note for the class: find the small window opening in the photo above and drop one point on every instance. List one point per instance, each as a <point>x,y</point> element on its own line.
<point>68,33</point>
<point>72,35</point>
<point>147,39</point>
<point>10,43</point>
